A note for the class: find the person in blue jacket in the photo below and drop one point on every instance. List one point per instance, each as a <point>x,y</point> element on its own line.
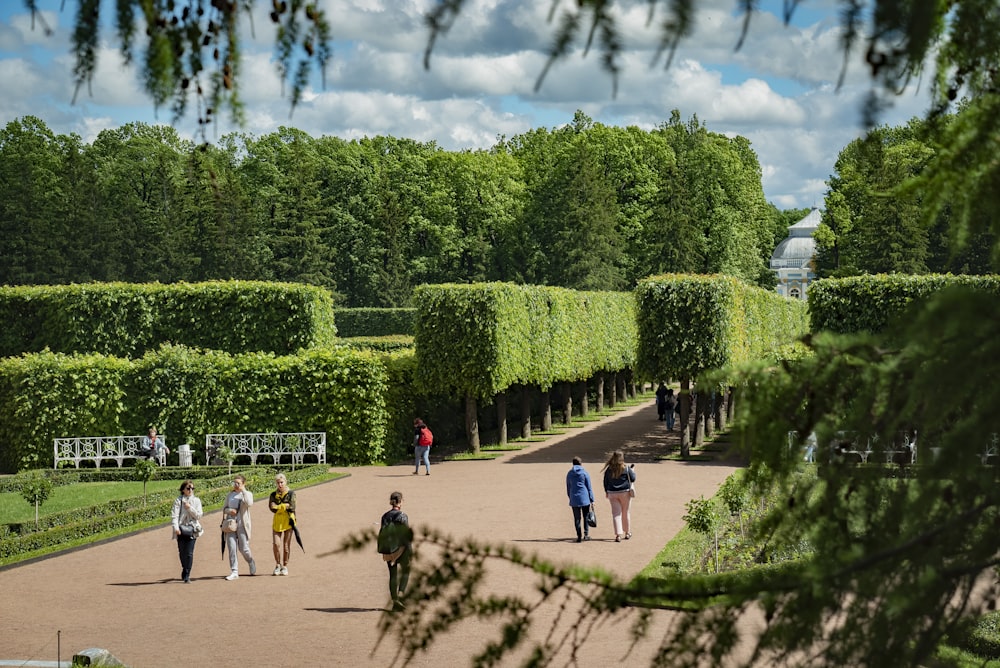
<point>581,497</point>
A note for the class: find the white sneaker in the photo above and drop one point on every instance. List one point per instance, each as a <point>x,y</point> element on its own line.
<point>284,570</point>
<point>277,570</point>
<point>233,576</point>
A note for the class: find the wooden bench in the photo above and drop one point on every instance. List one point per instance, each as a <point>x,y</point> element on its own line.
<point>295,445</point>
<point>99,449</point>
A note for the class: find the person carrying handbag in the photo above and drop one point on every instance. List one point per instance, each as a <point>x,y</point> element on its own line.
<point>186,528</point>
<point>237,507</point>
<point>619,487</point>
<point>581,498</point>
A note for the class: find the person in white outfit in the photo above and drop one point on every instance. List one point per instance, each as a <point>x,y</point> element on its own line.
<point>238,504</point>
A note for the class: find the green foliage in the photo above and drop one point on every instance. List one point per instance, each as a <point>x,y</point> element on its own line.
<point>197,51</point>
<point>188,394</point>
<point>982,638</point>
<point>872,303</point>
<point>127,320</point>
<point>689,324</point>
<point>586,206</point>
<point>373,322</point>
<point>144,470</point>
<point>36,490</point>
<point>482,339</point>
<point>703,517</point>
<point>385,344</point>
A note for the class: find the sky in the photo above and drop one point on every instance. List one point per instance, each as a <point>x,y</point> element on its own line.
<point>779,90</point>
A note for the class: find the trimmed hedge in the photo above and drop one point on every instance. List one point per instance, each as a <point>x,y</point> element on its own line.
<point>483,338</point>
<point>127,319</point>
<point>369,322</point>
<point>870,303</point>
<point>693,323</point>
<point>188,394</point>
<point>386,344</point>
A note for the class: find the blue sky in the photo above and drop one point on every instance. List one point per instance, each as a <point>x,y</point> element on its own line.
<point>778,90</point>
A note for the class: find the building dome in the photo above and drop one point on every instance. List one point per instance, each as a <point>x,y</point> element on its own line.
<point>799,247</point>
<point>792,259</point>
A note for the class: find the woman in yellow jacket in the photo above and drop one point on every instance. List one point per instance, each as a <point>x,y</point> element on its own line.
<point>282,504</point>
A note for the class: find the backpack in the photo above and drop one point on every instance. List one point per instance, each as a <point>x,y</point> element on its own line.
<point>671,402</point>
<point>394,534</point>
<point>426,437</point>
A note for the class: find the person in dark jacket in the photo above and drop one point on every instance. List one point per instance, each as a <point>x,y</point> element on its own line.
<point>581,497</point>
<point>661,397</point>
<point>618,480</point>
<point>395,544</point>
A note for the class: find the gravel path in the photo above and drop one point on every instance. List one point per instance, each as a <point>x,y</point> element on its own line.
<point>124,595</point>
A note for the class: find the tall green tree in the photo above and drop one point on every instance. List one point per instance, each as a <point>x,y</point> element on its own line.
<point>33,231</point>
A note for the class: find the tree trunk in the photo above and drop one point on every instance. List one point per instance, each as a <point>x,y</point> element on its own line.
<point>699,419</point>
<point>622,386</point>
<point>612,389</point>
<point>472,423</point>
<point>633,393</point>
<point>546,410</point>
<point>567,403</point>
<point>731,405</point>
<point>720,411</point>
<point>685,415</point>
<point>584,399</point>
<point>599,379</point>
<point>501,401</point>
<point>710,411</point>
<point>525,412</point>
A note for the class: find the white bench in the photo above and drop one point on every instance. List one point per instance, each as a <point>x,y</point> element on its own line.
<point>296,445</point>
<point>99,449</point>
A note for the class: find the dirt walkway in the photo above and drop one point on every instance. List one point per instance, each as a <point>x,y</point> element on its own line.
<point>125,596</point>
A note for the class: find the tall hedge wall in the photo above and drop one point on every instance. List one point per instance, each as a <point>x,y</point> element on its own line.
<point>126,319</point>
<point>367,322</point>
<point>691,323</point>
<point>481,339</point>
<point>869,303</point>
<point>188,394</point>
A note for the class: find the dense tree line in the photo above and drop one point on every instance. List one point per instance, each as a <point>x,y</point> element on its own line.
<point>878,217</point>
<point>584,206</point>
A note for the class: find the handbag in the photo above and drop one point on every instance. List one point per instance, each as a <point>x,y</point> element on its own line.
<point>631,486</point>
<point>229,525</point>
<point>591,516</point>
<point>191,530</point>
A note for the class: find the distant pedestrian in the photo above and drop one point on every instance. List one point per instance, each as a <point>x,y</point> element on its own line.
<point>669,408</point>
<point>618,487</point>
<point>395,540</point>
<point>581,497</point>
<point>661,396</point>
<point>423,439</point>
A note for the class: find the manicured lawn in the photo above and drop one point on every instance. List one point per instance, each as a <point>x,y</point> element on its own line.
<point>13,507</point>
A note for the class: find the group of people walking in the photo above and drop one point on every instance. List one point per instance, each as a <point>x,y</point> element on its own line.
<point>237,527</point>
<point>619,488</point>
<point>395,535</point>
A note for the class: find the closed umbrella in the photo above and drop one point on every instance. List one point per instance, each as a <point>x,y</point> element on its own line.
<point>295,530</point>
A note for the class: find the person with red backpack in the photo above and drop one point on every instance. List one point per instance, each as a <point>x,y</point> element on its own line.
<point>423,439</point>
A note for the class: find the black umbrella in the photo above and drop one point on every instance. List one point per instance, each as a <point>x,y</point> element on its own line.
<point>295,530</point>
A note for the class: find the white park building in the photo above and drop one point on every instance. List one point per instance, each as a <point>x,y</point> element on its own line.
<point>793,259</point>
